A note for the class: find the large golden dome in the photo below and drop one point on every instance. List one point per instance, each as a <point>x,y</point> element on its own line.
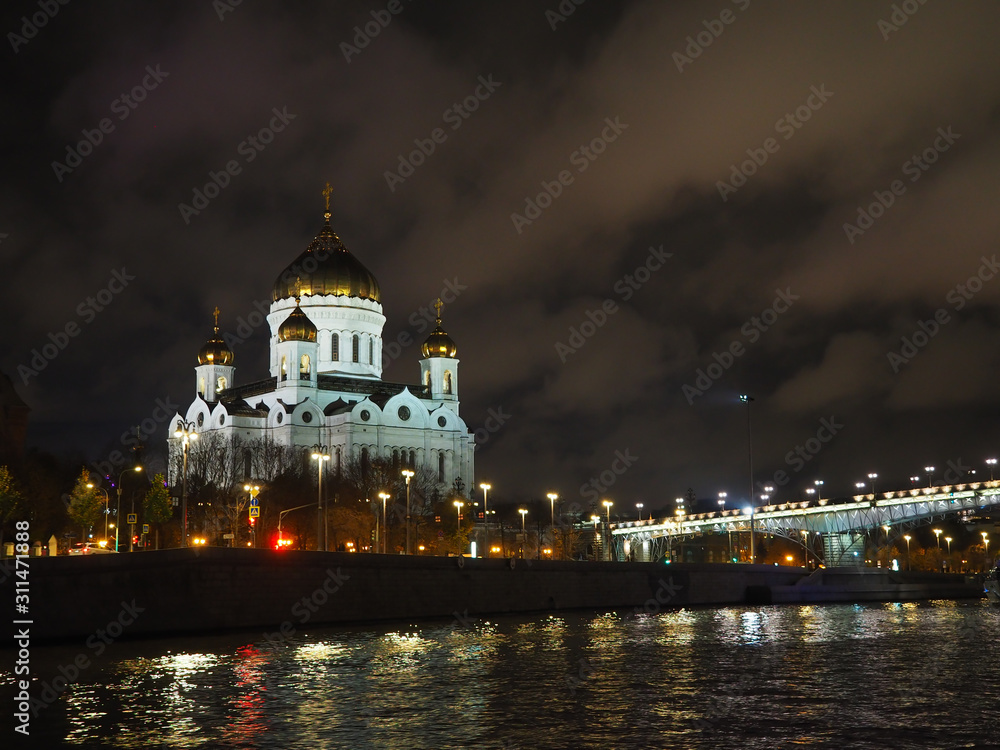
<point>297,327</point>
<point>327,267</point>
<point>216,351</point>
<point>439,343</point>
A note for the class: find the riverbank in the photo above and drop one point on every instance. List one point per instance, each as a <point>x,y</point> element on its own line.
<point>204,590</point>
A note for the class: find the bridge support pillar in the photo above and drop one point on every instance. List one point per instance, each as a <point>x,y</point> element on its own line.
<point>844,549</point>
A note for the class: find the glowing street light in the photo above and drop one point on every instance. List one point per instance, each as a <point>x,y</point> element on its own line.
<point>872,476</point>
<point>638,509</point>
<point>929,470</point>
<point>948,539</point>
<point>107,507</point>
<point>185,431</point>
<point>907,537</point>
<point>385,496</point>
<point>320,453</point>
<point>937,535</point>
<point>485,487</point>
<point>524,514</point>
<point>458,512</point>
<point>745,399</point>
<point>254,490</point>
<point>722,500</point>
<point>819,489</point>
<point>607,504</point>
<point>552,496</point>
<point>991,462</point>
<point>888,548</point>
<point>860,486</point>
<point>914,480</point>
<point>407,475</point>
<point>118,513</point>
<point>986,542</point>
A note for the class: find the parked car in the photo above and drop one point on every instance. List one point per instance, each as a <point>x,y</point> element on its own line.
<point>89,548</point>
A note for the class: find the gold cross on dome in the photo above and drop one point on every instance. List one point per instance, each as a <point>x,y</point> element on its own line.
<point>298,287</point>
<point>216,313</point>
<point>437,307</point>
<point>327,192</point>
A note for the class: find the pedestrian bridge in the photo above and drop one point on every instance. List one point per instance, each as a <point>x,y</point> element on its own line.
<point>843,523</point>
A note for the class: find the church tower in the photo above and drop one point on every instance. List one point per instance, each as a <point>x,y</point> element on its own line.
<point>215,369</point>
<point>439,367</point>
<point>296,349</point>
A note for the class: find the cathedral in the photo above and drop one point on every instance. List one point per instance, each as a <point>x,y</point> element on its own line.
<point>325,385</point>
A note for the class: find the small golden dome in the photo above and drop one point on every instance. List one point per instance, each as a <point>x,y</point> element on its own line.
<point>216,351</point>
<point>297,327</point>
<point>439,343</point>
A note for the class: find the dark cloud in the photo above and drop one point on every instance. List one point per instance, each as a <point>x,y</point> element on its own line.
<point>884,101</point>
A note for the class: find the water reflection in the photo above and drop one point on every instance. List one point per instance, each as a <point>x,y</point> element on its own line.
<point>757,676</point>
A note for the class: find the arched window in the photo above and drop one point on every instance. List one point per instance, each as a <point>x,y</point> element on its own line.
<point>335,347</point>
<point>427,378</point>
<point>201,387</point>
<point>364,462</point>
<point>284,368</point>
<point>338,460</point>
<point>447,381</point>
<point>221,383</point>
<point>356,348</point>
<point>441,466</point>
<point>371,351</point>
<point>395,461</point>
<point>304,367</point>
<point>413,459</point>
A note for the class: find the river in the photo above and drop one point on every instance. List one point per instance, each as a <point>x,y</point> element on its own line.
<point>887,676</point>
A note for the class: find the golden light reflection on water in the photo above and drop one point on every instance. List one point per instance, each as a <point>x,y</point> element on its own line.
<point>567,680</point>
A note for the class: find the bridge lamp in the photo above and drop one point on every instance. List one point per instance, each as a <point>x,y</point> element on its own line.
<point>872,476</point>
<point>937,534</point>
<point>810,491</point>
<point>948,539</point>
<point>914,480</point>
<point>907,537</point>
<point>722,500</point>
<point>986,542</point>
<point>929,470</point>
<point>991,462</point>
<point>819,488</point>
<point>859,485</point>
<point>638,508</point>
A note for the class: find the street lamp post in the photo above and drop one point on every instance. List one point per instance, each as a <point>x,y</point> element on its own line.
<point>118,512</point>
<point>185,431</point>
<point>929,470</point>
<point>107,507</point>
<point>872,476</point>
<point>407,475</point>
<point>607,504</point>
<point>524,513</point>
<point>552,496</point>
<point>888,549</point>
<point>819,489</point>
<point>486,520</point>
<point>282,514</point>
<point>937,535</point>
<point>320,453</point>
<point>253,490</point>
<point>991,462</point>
<point>638,511</point>
<point>907,537</point>
<point>948,539</point>
<point>385,529</point>
<point>986,544</point>
<point>744,398</point>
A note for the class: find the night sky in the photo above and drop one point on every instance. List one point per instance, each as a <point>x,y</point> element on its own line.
<point>646,209</point>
